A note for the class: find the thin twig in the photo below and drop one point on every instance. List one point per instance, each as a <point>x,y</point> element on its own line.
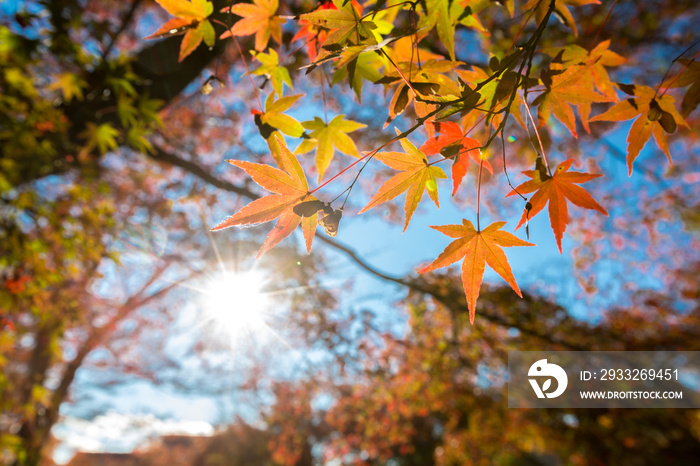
<point>595,40</point>
<point>478,196</point>
<point>503,145</point>
<point>685,67</point>
<point>245,62</point>
<point>668,70</point>
<point>537,133</point>
<point>126,20</point>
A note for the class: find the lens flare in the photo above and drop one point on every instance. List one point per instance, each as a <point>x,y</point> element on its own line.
<point>237,303</point>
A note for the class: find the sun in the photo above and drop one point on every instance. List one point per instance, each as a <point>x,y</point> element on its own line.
<point>237,303</point>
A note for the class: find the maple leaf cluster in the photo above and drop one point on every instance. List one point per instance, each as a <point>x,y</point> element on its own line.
<point>361,43</point>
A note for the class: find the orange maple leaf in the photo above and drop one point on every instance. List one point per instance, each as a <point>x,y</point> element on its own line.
<point>259,19</point>
<point>595,62</point>
<point>416,176</point>
<point>556,190</point>
<point>290,189</point>
<point>573,86</point>
<point>190,20</point>
<point>654,114</point>
<point>591,67</point>
<point>478,249</point>
<point>452,142</point>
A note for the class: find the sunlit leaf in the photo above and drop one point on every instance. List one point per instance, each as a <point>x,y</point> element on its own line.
<point>416,176</point>
<point>324,137</point>
<point>478,248</point>
<point>290,189</point>
<point>557,190</point>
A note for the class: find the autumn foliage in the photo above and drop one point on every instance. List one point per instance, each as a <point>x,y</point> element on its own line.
<point>359,44</point>
<point>116,207</point>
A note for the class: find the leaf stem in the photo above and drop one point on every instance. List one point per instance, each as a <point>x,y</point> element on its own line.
<point>343,171</point>
<point>503,145</point>
<point>522,28</point>
<point>605,21</point>
<point>408,83</point>
<point>537,133</point>
<point>478,196</point>
<point>685,67</point>
<point>245,63</point>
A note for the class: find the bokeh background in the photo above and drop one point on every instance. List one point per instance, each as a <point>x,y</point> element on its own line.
<point>130,334</point>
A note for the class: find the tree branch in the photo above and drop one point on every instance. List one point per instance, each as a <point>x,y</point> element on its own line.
<point>450,300</point>
<point>126,20</point>
<point>97,337</point>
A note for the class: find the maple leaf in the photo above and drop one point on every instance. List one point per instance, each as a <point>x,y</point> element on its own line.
<point>191,21</point>
<point>443,15</point>
<point>557,190</point>
<point>595,63</point>
<point>102,137</point>
<point>452,142</point>
<point>593,66</point>
<point>324,136</point>
<point>257,18</point>
<point>290,189</point>
<point>278,75</point>
<point>415,177</point>
<point>573,86</point>
<point>654,114</point>
<point>70,84</point>
<point>478,248</point>
<point>273,121</point>
<point>345,23</point>
<point>404,50</point>
<point>438,15</point>
<point>365,68</point>
<point>137,137</point>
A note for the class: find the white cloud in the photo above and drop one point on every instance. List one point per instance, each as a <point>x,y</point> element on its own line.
<point>118,432</point>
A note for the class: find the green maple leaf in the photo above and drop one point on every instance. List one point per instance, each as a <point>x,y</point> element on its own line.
<point>366,68</point>
<point>443,15</point>
<point>70,84</point>
<point>102,137</point>
<point>325,136</point>
<point>278,75</point>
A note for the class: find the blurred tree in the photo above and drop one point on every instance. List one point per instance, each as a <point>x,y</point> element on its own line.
<point>436,395</point>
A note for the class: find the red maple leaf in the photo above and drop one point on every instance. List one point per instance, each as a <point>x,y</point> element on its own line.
<point>453,143</point>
